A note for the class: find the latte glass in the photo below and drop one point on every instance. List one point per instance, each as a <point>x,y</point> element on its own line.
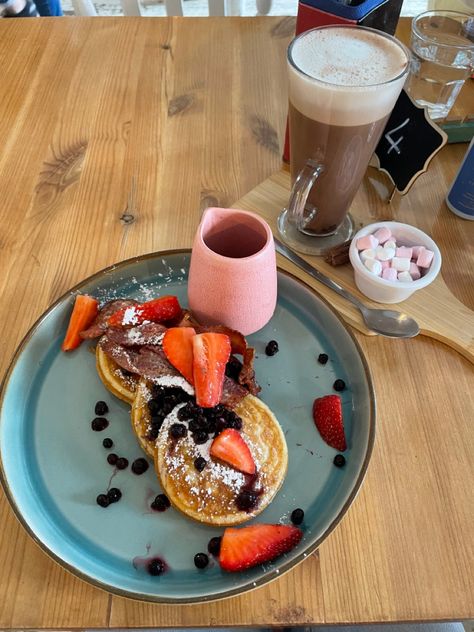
<point>343,84</point>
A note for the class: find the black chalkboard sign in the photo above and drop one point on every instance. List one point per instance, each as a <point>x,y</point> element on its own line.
<point>408,143</point>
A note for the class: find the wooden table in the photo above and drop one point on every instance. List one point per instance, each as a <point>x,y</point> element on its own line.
<point>194,110</point>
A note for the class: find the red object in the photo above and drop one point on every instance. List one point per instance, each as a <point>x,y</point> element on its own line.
<point>83,314</point>
<point>248,546</point>
<point>158,310</point>
<point>178,348</point>
<point>211,352</point>
<point>229,446</point>
<point>327,415</point>
<point>310,18</point>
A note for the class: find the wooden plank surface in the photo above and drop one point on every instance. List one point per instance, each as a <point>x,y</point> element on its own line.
<point>194,110</point>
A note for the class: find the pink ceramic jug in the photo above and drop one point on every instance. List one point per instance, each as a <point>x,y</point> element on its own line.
<point>232,276</point>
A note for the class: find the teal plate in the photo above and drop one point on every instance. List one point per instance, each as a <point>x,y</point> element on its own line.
<point>54,465</point>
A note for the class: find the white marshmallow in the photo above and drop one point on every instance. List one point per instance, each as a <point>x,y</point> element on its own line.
<point>368,253</point>
<point>391,243</point>
<point>402,264</point>
<point>404,276</point>
<point>384,254</point>
<point>374,266</point>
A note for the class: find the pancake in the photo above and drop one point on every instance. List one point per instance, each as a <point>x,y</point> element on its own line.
<point>210,496</point>
<point>119,382</point>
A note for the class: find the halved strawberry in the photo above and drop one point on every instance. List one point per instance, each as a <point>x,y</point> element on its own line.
<point>248,546</point>
<point>159,310</point>
<point>230,446</point>
<point>327,415</point>
<point>211,352</point>
<point>83,314</point>
<point>178,348</point>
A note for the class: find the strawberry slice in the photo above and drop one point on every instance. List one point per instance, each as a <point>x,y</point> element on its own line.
<point>178,348</point>
<point>83,314</point>
<point>211,352</point>
<point>159,310</point>
<point>327,415</point>
<point>230,446</point>
<point>248,546</point>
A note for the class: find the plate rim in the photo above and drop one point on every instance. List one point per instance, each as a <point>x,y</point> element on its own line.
<point>266,577</point>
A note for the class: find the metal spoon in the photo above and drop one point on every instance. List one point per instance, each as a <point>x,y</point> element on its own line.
<point>385,322</point>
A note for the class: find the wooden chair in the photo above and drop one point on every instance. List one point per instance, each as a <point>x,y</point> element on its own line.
<point>175,7</point>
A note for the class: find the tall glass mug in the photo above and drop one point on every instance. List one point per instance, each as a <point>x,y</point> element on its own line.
<point>343,84</point>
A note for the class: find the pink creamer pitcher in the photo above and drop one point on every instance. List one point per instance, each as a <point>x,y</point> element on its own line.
<point>232,275</point>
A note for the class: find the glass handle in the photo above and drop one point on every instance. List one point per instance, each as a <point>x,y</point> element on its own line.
<point>299,194</point>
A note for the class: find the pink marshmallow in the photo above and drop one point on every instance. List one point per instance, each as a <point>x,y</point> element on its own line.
<point>404,251</point>
<point>385,265</point>
<point>416,252</point>
<point>369,241</point>
<point>389,274</point>
<point>383,234</point>
<point>414,271</point>
<point>425,257</point>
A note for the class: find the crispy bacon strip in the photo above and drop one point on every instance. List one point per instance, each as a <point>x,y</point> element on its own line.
<point>99,325</point>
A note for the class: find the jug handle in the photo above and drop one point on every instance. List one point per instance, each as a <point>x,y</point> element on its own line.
<point>299,194</point>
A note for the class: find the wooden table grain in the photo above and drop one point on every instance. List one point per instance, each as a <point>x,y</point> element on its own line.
<point>193,111</point>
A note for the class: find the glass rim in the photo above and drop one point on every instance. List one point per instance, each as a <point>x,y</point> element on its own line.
<point>441,12</point>
<point>353,27</point>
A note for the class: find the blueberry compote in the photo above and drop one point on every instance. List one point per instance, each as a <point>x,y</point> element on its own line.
<point>249,494</point>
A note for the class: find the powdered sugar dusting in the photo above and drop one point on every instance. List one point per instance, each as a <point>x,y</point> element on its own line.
<point>174,380</point>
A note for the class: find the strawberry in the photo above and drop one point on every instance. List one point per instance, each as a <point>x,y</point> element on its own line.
<point>159,310</point>
<point>178,348</point>
<point>230,446</point>
<point>83,314</point>
<point>327,415</point>
<point>248,546</point>
<point>211,352</point>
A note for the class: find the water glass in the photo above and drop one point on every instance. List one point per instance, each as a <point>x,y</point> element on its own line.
<point>442,45</point>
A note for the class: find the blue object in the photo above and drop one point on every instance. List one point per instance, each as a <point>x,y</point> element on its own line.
<point>54,465</point>
<point>460,198</point>
<point>49,7</point>
<point>348,12</point>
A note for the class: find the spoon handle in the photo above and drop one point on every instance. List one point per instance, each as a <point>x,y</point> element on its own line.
<point>319,276</point>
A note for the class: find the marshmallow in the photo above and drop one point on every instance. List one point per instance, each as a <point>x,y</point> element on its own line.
<point>384,254</point>
<point>374,266</point>
<point>389,274</point>
<point>382,234</point>
<point>404,251</point>
<point>391,243</point>
<point>385,265</point>
<point>367,242</point>
<point>425,257</point>
<point>416,251</point>
<point>402,264</point>
<point>414,271</point>
<point>369,253</point>
<point>405,277</point>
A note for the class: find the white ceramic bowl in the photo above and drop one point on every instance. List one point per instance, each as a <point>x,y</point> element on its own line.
<point>381,290</point>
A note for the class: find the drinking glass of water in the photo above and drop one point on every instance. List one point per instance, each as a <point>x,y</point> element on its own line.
<point>442,45</point>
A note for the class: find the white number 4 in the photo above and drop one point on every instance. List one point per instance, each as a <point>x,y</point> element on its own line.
<point>394,144</point>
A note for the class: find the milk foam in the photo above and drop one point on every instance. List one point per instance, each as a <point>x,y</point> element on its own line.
<point>343,72</point>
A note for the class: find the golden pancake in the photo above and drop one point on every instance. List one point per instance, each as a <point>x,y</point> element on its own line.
<point>211,496</point>
<point>122,384</point>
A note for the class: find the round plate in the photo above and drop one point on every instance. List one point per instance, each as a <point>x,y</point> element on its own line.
<point>54,465</point>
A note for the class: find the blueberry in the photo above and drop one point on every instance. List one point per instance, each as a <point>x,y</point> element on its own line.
<point>214,546</point>
<point>107,443</point>
<point>200,463</point>
<point>114,495</point>
<point>185,412</point>
<point>139,466</point>
<point>246,500</point>
<point>323,358</point>
<point>122,463</point>
<point>339,460</point>
<point>156,567</point>
<point>178,431</point>
<point>271,348</point>
<point>103,500</point>
<point>161,503</point>
<point>99,423</point>
<point>153,406</point>
<point>200,437</point>
<point>153,433</point>
<point>297,516</point>
<point>201,560</point>
<point>112,458</point>
<point>234,422</point>
<point>101,408</point>
<point>339,385</point>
